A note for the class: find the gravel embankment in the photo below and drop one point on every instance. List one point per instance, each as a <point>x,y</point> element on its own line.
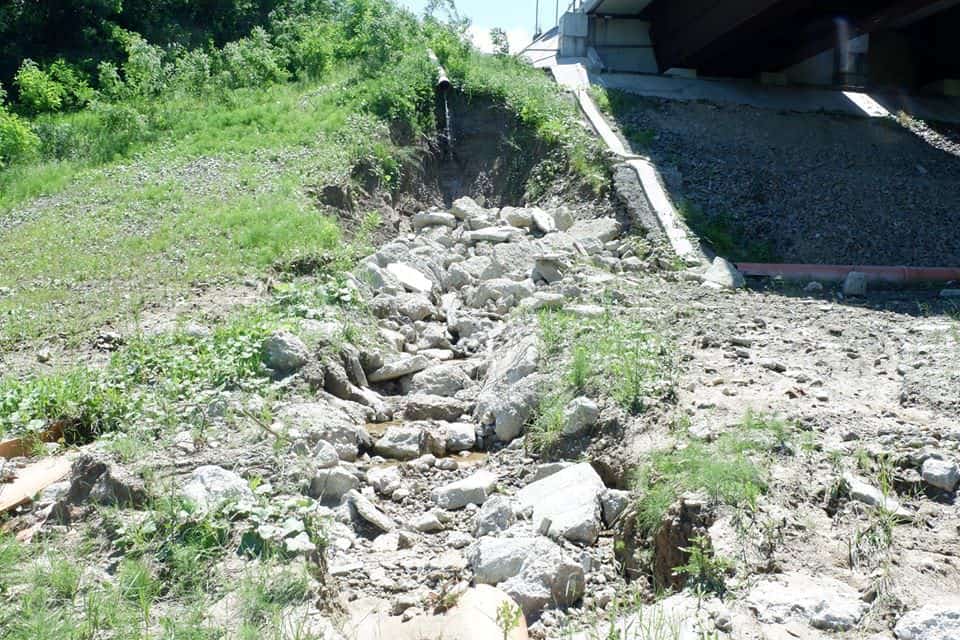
<point>816,188</point>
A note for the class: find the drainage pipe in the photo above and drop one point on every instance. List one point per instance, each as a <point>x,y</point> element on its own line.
<point>836,273</point>
<point>443,82</point>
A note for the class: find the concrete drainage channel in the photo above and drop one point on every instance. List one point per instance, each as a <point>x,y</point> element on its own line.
<point>686,246</point>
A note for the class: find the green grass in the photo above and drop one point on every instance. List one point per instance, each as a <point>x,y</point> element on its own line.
<point>615,357</point>
<point>726,237</point>
<point>731,470</point>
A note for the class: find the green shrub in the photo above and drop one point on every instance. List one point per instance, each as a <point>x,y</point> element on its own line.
<point>17,139</point>
<point>39,93</point>
<point>76,87</point>
<point>192,71</point>
<point>143,70</point>
<point>251,62</point>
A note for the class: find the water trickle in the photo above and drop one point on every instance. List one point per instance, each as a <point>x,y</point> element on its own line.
<point>448,125</point>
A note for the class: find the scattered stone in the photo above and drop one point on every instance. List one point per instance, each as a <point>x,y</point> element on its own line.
<point>855,284</point>
<point>363,509</point>
<point>385,480</point>
<point>284,352</point>
<point>400,442</point>
<point>426,219</point>
<point>542,220</point>
<point>566,504</point>
<point>534,571</point>
<point>493,235</point>
<point>325,455</point>
<point>613,502</point>
<point>411,279</point>
<point>822,602</point>
<point>942,474</point>
<point>330,485</point>
<point>211,487</point>
<point>722,274</point>
<point>402,366</point>
<point>473,489</point>
<point>579,416</point>
<point>929,623</point>
<point>422,406</point>
<point>495,515</point>
<point>428,523</point>
<point>460,436</point>
<point>859,490</point>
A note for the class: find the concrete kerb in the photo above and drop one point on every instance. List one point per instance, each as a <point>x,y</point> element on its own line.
<point>575,77</point>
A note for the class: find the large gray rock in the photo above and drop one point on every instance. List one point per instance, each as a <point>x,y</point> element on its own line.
<point>861,491</point>
<point>566,504</point>
<point>441,380</point>
<point>492,235</point>
<point>942,474</point>
<point>613,502</point>
<point>400,442</point>
<point>377,277</point>
<point>432,219</point>
<point>855,284</point>
<point>494,516</point>
<point>211,487</point>
<point>542,220</point>
<point>929,623</point>
<point>428,407</point>
<point>519,217</point>
<point>474,489</point>
<point>410,278</point>
<point>385,480</point>
<point>822,602</point>
<point>459,436</point>
<point>598,230</point>
<point>284,352</point>
<point>508,407</point>
<point>401,366</point>
<point>466,208</point>
<point>534,571</point>
<point>500,290</point>
<point>330,485</point>
<point>579,416</point>
<point>722,274</point>
<point>365,511</point>
<point>322,420</point>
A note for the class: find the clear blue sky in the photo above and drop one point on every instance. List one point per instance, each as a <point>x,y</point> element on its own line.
<point>516,17</point>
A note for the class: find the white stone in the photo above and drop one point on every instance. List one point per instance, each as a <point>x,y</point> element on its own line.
<point>517,217</point>
<point>579,415</point>
<point>822,602</point>
<point>597,230</point>
<point>723,274</point>
<point>473,489</point>
<point>855,284</point>
<point>496,514</point>
<point>384,480</point>
<point>324,421</point>
<point>325,455</point>
<point>861,491</point>
<point>566,504</point>
<point>492,234</point>
<point>459,436</point>
<point>210,487</point>
<point>432,219</point>
<point>942,474</point>
<point>411,279</point>
<point>543,220</point>
<point>365,510</point>
<point>284,352</point>
<point>330,485</point>
<point>402,366</point>
<point>534,571</point>
<point>929,623</point>
<point>400,442</point>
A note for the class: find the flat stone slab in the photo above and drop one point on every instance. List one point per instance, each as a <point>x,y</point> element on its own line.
<point>566,503</point>
<point>473,489</point>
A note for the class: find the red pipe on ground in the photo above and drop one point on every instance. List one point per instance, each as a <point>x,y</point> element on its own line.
<point>836,273</point>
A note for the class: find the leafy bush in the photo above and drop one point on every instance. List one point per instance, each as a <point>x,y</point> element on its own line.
<point>76,86</point>
<point>39,93</point>
<point>143,70</point>
<point>251,62</point>
<point>17,139</point>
